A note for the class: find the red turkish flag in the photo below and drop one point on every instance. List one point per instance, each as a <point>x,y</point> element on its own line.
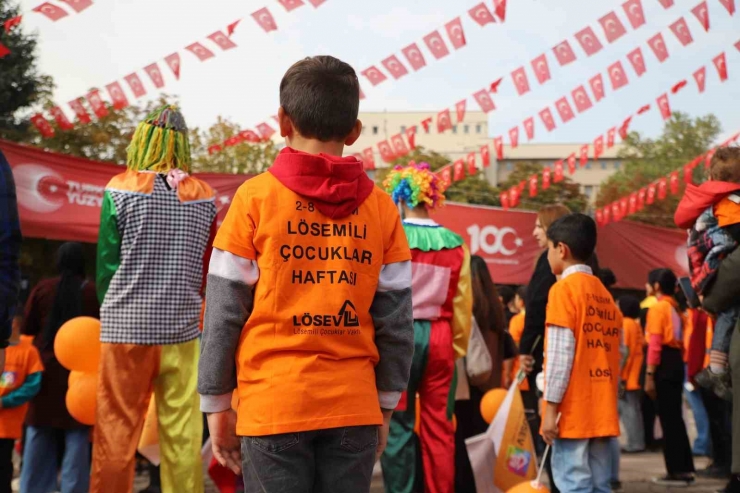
<point>558,174</point>
<point>637,60</point>
<point>664,105</point>
<point>249,136</point>
<point>155,75</point>
<point>504,199</point>
<point>666,3</point>
<point>519,76</point>
<point>702,14</point>
<point>598,146</point>
<point>546,178</point>
<point>643,109</point>
<point>617,75</point>
<point>633,203</point>
<point>444,121</point>
<point>498,145</point>
<point>317,3</point>
<point>61,119</point>
<point>12,22</point>
<point>213,149</point>
<point>484,101</point>
<point>120,101</point>
<point>572,164</point>
<point>362,94</point>
<point>624,204</point>
<point>580,96</point>
<point>584,155</point>
<point>291,4</point>
<point>222,41</point>
<point>232,27</point>
<point>597,86</point>
<point>564,53</point>
<point>399,145</point>
<point>500,9</point>
<point>460,109</point>
<point>393,65</point>
<point>427,123</point>
<point>533,185</point>
<point>652,189</point>
<point>613,27</point>
<point>635,14</point>
<point>481,14</point>
<point>563,107</point>
<point>681,29</point>
<point>588,40</point>
<point>514,137</point>
<point>265,19</point>
<point>674,182</point>
<point>411,136</point>
<point>173,61</point>
<point>616,211</point>
<point>624,129</point>
<point>610,137</point>
<point>529,127</point>
<point>97,104</point>
<point>134,82</point>
<point>495,84</point>
<point>42,125</point>
<point>641,197</point>
<point>547,119</point>
<point>485,156</point>
<point>541,69</point>
<point>78,5</point>
<point>82,115</point>
<point>368,159</point>
<point>678,86</point>
<point>662,188</point>
<point>445,174</point>
<point>374,75</point>
<point>51,11</point>
<point>657,44</point>
<point>472,169</point>
<point>414,56</point>
<point>688,173</point>
<point>385,151</point>
<point>606,214</point>
<point>701,78</point>
<point>599,217</point>
<point>456,33</point>
<point>458,170</point>
<point>737,45</point>
<point>729,5</point>
<point>265,130</point>
<point>436,45</point>
<point>721,64</point>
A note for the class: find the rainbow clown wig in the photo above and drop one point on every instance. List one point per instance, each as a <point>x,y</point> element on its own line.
<point>160,143</point>
<point>415,185</point>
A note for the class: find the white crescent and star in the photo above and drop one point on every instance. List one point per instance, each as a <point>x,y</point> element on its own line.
<point>456,31</point>
<point>636,11</point>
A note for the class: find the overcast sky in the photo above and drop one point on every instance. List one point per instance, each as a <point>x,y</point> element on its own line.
<point>113,38</point>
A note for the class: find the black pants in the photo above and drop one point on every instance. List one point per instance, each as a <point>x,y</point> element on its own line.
<point>669,378</point>
<point>6,464</point>
<point>719,412</point>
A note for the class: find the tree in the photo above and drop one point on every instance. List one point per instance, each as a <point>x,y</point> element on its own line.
<point>565,192</point>
<point>645,160</point>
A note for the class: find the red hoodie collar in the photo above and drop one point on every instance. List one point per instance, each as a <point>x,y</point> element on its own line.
<point>697,199</point>
<point>336,185</point>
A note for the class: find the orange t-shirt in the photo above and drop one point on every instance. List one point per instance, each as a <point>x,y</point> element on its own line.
<point>21,360</point>
<point>635,342</point>
<point>581,303</point>
<point>516,329</point>
<point>306,358</point>
<point>663,319</point>
<point>727,211</point>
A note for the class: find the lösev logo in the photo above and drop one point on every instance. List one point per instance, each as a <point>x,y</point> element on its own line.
<point>347,317</point>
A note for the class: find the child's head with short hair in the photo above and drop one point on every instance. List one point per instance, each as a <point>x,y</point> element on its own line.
<point>571,240</point>
<point>725,165</point>
<point>521,295</point>
<point>17,323</point>
<point>629,306</point>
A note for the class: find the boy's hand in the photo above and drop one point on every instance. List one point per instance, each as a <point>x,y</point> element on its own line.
<point>383,432</point>
<point>550,423</point>
<point>650,387</point>
<point>526,363</point>
<point>224,442</point>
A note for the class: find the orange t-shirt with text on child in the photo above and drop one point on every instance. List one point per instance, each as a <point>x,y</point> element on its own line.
<point>634,340</point>
<point>21,360</point>
<point>516,329</point>
<point>581,303</point>
<point>665,320</point>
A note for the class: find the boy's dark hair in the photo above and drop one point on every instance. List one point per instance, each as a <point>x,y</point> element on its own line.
<point>522,292</point>
<point>321,95</point>
<point>506,293</point>
<point>629,306</point>
<point>725,165</point>
<point>576,230</point>
<point>607,277</point>
<point>653,276</point>
<point>666,279</point>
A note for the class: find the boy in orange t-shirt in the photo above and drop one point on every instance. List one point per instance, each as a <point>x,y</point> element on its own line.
<point>630,405</point>
<point>581,362</point>
<point>308,304</point>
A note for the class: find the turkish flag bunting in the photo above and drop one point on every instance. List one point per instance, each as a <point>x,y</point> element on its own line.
<point>681,29</point>
<point>265,130</point>
<point>368,159</point>
<point>617,75</point>
<point>547,119</point>
<point>700,76</point>
<point>572,164</point>
<point>529,127</point>
<point>61,118</point>
<point>563,107</point>
<point>616,211</point>
<point>678,86</point>
<point>291,4</point>
<point>564,53</point>
<point>674,182</point>
<point>249,136</point>
<point>558,174</point>
<point>414,56</point>
<point>504,198</point>
<point>436,45</point>
<point>662,188</point>
<point>588,41</point>
<point>498,145</point>
<point>265,20</point>
<point>624,129</point>
<point>613,27</point>
<point>393,65</point>
<point>584,155</point>
<point>374,75</point>
<point>702,14</point>
<point>598,146</point>
<point>599,217</point>
<point>97,104</point>
<point>459,170</point>
<point>624,206</point>
<point>688,173</point>
<point>664,105</point>
<point>519,77</point>
<point>481,14</point>
<point>500,9</point>
<point>607,214</point>
<point>399,145</point>
<point>546,178</point>
<point>597,86</point>
<point>444,121</point>
<point>484,101</point>
<point>652,188</point>
<point>51,11</point>
<point>316,3</point>
<point>213,149</point>
<point>610,137</point>
<point>222,41</point>
<point>455,32</point>
<point>666,3</point>
<point>445,174</point>
<point>201,51</point>
<point>495,84</point>
<point>533,185</point>
<point>232,27</point>
<point>637,60</point>
<point>657,44</point>
<point>155,75</point>
<point>541,69</point>
<point>134,82</point>
<point>485,156</point>
<point>120,101</point>
<point>460,107</point>
<point>411,136</point>
<point>729,5</point>
<point>721,64</point>
<point>4,51</point>
<point>42,125</point>
<point>635,14</point>
<point>640,199</point>
<point>580,96</point>
<point>643,109</point>
<point>173,61</point>
<point>385,151</point>
<point>514,137</point>
<point>472,169</point>
<point>427,123</point>
<point>78,5</point>
<point>633,203</point>
<point>80,112</point>
<point>12,22</point>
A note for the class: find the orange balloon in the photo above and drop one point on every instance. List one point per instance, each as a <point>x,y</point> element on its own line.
<point>490,403</point>
<point>81,398</point>
<point>528,487</point>
<point>74,377</point>
<point>77,344</point>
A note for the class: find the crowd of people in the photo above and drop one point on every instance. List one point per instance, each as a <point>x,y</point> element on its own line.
<point>329,323</point>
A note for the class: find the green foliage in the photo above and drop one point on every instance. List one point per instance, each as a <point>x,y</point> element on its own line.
<point>566,192</point>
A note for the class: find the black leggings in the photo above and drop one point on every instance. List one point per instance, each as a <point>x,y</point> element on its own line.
<point>6,464</point>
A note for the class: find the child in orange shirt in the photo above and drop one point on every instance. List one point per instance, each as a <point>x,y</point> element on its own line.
<point>516,329</point>
<point>581,362</point>
<point>630,408</point>
<point>20,381</point>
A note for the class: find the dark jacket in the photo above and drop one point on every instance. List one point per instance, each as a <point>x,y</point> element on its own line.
<point>538,290</point>
<point>725,291</point>
<point>10,246</point>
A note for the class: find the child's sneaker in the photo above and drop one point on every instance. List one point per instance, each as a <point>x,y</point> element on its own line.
<point>721,385</point>
<point>675,480</point>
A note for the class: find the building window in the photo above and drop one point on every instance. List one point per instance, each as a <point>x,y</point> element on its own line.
<point>588,191</point>
<point>603,164</point>
<point>466,129</point>
<point>478,128</point>
<point>375,130</point>
<point>509,166</point>
<point>617,164</point>
<point>588,165</point>
<point>403,128</point>
<point>454,129</point>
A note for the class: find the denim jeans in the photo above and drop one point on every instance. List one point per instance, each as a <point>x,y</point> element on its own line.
<point>39,473</point>
<point>615,456</point>
<point>630,411</point>
<point>582,466</point>
<point>703,443</point>
<point>335,460</point>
